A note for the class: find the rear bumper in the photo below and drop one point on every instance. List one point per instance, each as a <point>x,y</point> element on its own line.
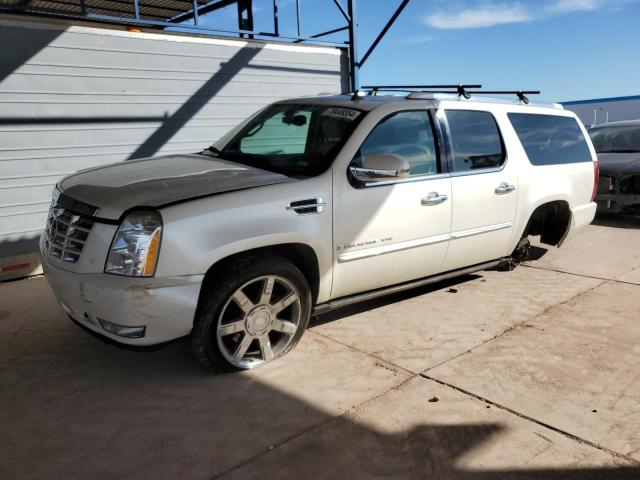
<point>165,306</point>
<point>581,216</point>
<point>611,202</point>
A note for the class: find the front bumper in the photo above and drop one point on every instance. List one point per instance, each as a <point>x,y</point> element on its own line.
<point>165,306</point>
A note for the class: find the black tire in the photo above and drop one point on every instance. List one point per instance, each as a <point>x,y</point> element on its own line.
<point>217,292</point>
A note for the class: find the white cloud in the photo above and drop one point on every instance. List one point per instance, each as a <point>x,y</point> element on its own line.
<point>567,6</point>
<point>487,13</point>
<point>483,16</point>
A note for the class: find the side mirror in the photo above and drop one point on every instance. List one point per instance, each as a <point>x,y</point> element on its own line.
<point>380,167</point>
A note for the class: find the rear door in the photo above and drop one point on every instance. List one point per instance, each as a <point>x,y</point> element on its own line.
<point>483,188</point>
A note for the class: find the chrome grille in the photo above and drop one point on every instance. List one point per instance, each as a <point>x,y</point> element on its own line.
<point>66,234</point>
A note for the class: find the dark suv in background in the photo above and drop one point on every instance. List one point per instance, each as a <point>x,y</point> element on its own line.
<point>618,147</point>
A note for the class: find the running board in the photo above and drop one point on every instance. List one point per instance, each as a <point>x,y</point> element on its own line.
<point>381,292</point>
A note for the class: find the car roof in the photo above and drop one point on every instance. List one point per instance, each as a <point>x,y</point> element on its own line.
<point>622,123</point>
<point>370,102</point>
<point>367,103</point>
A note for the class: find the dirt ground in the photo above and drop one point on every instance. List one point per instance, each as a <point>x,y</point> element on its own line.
<point>532,373</point>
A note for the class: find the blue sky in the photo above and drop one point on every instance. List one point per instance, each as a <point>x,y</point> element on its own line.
<point>569,49</point>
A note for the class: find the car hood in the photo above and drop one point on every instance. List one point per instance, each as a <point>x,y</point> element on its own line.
<point>159,181</point>
<point>617,163</point>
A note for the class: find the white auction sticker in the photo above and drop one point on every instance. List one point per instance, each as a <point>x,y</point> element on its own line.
<point>345,113</point>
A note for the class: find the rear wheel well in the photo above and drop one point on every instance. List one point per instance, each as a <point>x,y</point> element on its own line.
<point>551,221</point>
<point>301,255</point>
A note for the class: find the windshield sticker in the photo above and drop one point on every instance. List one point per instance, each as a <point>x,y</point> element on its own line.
<point>344,113</point>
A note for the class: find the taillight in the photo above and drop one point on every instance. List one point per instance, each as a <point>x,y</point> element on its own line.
<point>596,180</point>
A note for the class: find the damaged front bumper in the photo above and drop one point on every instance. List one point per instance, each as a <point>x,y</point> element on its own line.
<point>134,311</point>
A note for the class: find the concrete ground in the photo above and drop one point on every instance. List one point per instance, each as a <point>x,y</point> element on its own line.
<point>532,373</point>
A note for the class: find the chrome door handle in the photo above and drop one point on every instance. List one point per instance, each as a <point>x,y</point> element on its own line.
<point>434,199</point>
<point>504,187</point>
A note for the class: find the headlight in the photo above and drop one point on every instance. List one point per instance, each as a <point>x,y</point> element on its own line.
<point>135,247</point>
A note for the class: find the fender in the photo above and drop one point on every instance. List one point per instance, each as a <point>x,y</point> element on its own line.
<point>200,233</point>
<point>522,219</point>
<point>325,266</point>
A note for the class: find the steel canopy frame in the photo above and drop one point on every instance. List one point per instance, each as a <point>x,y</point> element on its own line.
<point>179,15</point>
<point>355,63</point>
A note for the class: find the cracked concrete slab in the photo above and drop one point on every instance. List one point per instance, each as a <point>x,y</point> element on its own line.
<point>426,430</point>
<point>575,367</point>
<point>425,330</point>
<point>72,406</point>
<point>545,346</point>
<point>599,251</point>
<point>632,276</point>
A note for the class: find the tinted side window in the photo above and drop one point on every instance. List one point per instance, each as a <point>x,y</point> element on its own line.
<point>408,135</point>
<point>621,139</point>
<point>550,139</point>
<point>475,140</point>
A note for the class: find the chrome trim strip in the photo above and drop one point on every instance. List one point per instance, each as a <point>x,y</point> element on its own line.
<point>393,247</point>
<point>419,242</point>
<point>418,178</point>
<point>478,231</point>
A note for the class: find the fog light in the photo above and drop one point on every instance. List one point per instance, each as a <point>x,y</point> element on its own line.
<point>122,330</point>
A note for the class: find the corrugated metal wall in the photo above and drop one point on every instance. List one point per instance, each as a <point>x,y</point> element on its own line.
<point>72,97</point>
<point>599,111</point>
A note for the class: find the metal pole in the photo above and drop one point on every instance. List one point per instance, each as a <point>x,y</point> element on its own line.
<point>354,67</point>
<point>341,8</point>
<point>240,8</point>
<point>275,18</point>
<point>136,9</point>
<point>298,15</point>
<point>195,12</point>
<point>384,31</point>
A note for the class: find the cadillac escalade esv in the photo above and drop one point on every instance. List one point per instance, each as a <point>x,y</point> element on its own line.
<point>311,204</point>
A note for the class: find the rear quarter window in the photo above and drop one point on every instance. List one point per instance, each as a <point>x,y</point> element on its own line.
<point>550,139</point>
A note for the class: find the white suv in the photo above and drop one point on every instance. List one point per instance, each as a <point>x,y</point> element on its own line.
<point>309,205</point>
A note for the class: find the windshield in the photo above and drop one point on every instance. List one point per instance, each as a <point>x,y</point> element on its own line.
<point>621,139</point>
<point>292,139</point>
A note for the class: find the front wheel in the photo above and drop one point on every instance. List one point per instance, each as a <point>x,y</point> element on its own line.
<point>253,312</point>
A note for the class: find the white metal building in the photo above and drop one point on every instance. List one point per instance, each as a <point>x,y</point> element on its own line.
<point>603,110</point>
<point>75,95</point>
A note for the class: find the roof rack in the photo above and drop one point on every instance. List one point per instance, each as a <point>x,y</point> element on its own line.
<point>521,94</point>
<point>462,90</point>
<point>459,89</point>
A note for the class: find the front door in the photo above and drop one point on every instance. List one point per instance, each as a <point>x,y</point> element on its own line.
<point>483,188</point>
<point>392,232</point>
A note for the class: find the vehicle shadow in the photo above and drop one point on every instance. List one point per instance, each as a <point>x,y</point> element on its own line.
<point>390,299</point>
<point>72,407</point>
<point>617,220</point>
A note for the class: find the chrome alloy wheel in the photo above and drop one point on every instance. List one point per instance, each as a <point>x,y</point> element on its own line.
<point>259,321</point>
